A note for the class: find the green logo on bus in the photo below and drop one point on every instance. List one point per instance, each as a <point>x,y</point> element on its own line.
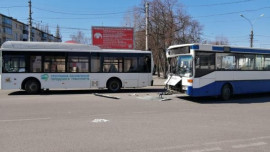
<point>45,77</point>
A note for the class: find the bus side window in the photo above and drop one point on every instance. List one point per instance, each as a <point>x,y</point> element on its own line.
<point>112,64</point>
<point>14,63</point>
<point>267,62</point>
<point>95,64</point>
<point>225,61</point>
<point>112,69</point>
<point>55,64</point>
<point>144,64</point>
<point>130,64</point>
<point>78,64</point>
<point>204,63</point>
<point>35,63</point>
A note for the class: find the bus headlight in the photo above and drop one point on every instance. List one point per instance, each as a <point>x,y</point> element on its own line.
<point>184,87</point>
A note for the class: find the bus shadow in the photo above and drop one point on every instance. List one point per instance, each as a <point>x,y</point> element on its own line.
<point>70,92</point>
<point>237,99</point>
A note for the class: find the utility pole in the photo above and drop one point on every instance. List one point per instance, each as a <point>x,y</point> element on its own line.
<point>30,21</point>
<point>251,24</point>
<point>146,25</point>
<point>251,38</point>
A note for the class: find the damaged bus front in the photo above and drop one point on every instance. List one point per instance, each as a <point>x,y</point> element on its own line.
<point>181,72</point>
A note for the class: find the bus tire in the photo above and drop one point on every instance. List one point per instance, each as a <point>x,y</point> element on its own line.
<point>114,85</point>
<point>226,92</point>
<point>32,86</point>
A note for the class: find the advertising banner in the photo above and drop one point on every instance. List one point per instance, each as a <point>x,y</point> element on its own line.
<point>113,37</point>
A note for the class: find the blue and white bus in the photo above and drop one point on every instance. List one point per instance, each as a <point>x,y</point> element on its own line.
<point>212,70</point>
<point>35,66</point>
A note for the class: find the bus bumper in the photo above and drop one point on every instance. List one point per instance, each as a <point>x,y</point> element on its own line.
<point>189,91</point>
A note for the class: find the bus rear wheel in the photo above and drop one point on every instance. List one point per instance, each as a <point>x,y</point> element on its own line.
<point>114,85</point>
<point>226,92</point>
<point>32,86</point>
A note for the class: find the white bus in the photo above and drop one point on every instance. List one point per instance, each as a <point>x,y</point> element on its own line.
<point>35,66</point>
<point>211,70</point>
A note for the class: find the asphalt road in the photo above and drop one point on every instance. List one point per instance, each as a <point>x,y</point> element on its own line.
<point>132,121</point>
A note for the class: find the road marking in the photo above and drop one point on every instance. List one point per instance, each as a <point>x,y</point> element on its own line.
<point>249,145</point>
<point>100,120</point>
<point>206,144</point>
<point>144,112</point>
<point>237,140</point>
<point>20,120</point>
<point>111,114</point>
<point>97,115</point>
<point>206,150</point>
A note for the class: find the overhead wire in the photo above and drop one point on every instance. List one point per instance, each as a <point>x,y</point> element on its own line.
<point>12,6</point>
<point>236,12</point>
<point>218,4</point>
<point>81,14</point>
<point>115,13</point>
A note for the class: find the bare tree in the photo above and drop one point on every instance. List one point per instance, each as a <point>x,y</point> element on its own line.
<point>47,29</point>
<point>168,25</point>
<point>44,28</point>
<point>219,40</point>
<point>57,33</point>
<point>80,38</point>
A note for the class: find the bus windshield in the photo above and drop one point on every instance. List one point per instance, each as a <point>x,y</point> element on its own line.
<point>184,66</point>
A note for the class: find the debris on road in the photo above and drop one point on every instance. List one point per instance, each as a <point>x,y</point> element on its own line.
<point>134,94</point>
<point>100,120</point>
<point>106,96</point>
<point>165,99</point>
<point>154,98</point>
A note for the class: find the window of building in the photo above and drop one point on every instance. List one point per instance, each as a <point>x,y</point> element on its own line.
<point>16,36</point>
<point>7,30</point>
<point>14,63</point>
<point>35,63</point>
<point>54,64</point>
<point>78,64</point>
<point>7,21</point>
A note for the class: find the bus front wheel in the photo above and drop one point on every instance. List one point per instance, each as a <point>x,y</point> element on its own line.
<point>226,92</point>
<point>114,85</point>
<point>32,86</point>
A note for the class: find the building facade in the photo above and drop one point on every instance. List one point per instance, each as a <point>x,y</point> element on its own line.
<point>12,29</point>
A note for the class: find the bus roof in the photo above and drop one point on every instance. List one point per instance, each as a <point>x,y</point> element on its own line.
<point>59,46</point>
<point>46,46</point>
<point>222,48</point>
<point>123,51</point>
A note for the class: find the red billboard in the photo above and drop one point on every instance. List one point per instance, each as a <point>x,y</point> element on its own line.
<point>113,37</point>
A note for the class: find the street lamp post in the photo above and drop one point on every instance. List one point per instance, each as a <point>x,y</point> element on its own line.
<point>251,24</point>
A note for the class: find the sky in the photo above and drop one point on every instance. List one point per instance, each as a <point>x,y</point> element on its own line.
<point>219,18</point>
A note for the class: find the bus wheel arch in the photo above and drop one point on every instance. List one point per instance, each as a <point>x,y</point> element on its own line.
<point>226,91</point>
<point>31,85</point>
<point>114,84</point>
